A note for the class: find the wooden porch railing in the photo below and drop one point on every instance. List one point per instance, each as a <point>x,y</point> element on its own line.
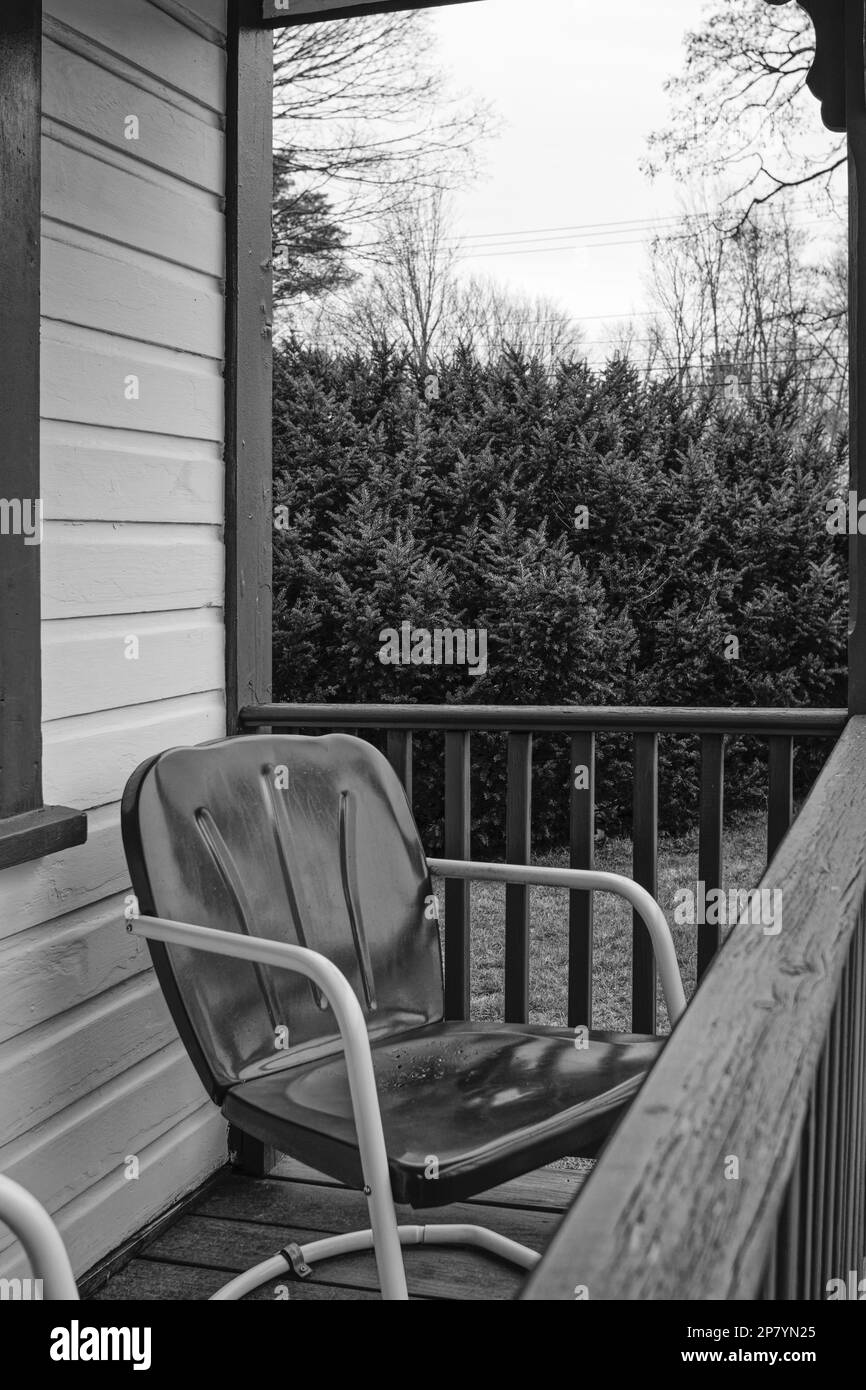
<point>582,724</point>
<point>740,1170</point>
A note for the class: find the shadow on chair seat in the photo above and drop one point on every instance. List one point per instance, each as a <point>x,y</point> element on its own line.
<point>464,1106</point>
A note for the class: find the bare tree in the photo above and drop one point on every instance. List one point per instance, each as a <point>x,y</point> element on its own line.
<point>736,313</point>
<point>492,319</point>
<point>739,107</point>
<point>363,113</point>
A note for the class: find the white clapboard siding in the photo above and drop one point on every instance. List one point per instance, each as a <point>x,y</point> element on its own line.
<point>124,475</point>
<point>148,38</point>
<point>133,257</point>
<point>119,1208</point>
<point>211,13</point>
<point>56,1063</point>
<point>101,286</point>
<point>91,664</point>
<point>124,567</point>
<point>49,969</point>
<point>44,889</point>
<point>126,1116</point>
<point>88,760</point>
<point>94,378</point>
<point>86,97</point>
<point>131,207</point>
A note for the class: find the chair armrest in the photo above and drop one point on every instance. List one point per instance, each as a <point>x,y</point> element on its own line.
<point>587,879</point>
<point>43,1245</point>
<point>356,1042</point>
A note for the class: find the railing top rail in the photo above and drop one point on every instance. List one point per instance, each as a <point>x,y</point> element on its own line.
<point>539,718</point>
<point>659,1219</point>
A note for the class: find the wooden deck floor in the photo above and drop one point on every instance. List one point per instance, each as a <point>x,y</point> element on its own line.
<point>241,1221</point>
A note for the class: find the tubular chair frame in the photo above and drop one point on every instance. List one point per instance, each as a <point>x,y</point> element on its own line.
<point>385,1236</point>
<point>43,1244</point>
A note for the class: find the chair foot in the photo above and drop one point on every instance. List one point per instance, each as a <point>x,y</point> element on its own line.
<point>352,1241</point>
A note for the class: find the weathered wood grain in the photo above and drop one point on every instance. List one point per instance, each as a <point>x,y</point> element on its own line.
<point>236,1245</point>
<point>249,517</point>
<point>156,1280</point>
<point>47,888</point>
<point>331,1209</point>
<point>545,1189</point>
<point>20,79</point>
<point>658,1218</point>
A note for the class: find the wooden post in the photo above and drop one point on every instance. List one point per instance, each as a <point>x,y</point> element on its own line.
<point>249,362</point>
<point>855,112</point>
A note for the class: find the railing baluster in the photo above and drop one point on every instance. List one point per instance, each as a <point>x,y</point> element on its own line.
<point>582,856</point>
<point>518,802</point>
<point>788,1242</point>
<point>457,891</point>
<point>645,871</point>
<point>780,809</point>
<point>822,1082</point>
<point>859,1163</point>
<point>831,1169</point>
<point>399,754</point>
<point>807,1202</point>
<point>710,844</point>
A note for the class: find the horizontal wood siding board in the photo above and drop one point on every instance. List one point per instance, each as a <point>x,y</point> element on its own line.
<point>128,208</point>
<point>734,1079</point>
<point>44,889</point>
<point>113,1209</point>
<point>154,303</point>
<point>91,664</point>
<point>90,384</point>
<point>91,757</point>
<point>148,38</point>
<point>50,1066</point>
<point>96,569</point>
<point>93,101</point>
<point>90,1140</point>
<point>124,475</point>
<point>50,969</point>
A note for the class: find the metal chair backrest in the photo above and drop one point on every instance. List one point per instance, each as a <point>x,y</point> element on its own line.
<point>305,840</point>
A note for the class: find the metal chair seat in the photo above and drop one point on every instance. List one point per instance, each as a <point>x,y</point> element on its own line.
<point>464,1106</point>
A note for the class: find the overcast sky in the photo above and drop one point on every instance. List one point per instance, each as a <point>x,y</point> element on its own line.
<point>578,87</point>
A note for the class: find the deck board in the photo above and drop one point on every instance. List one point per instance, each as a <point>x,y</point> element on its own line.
<point>240,1221</point>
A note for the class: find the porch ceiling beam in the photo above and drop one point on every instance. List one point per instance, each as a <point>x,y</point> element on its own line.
<point>282,13</point>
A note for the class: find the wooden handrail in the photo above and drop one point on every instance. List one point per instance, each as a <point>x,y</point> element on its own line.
<point>770,1034</point>
<point>538,718</point>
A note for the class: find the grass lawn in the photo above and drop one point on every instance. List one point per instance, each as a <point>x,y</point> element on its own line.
<point>744,859</point>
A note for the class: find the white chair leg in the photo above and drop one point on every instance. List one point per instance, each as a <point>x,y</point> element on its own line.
<point>353,1241</point>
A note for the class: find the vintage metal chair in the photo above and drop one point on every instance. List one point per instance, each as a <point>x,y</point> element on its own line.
<point>286,899</point>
